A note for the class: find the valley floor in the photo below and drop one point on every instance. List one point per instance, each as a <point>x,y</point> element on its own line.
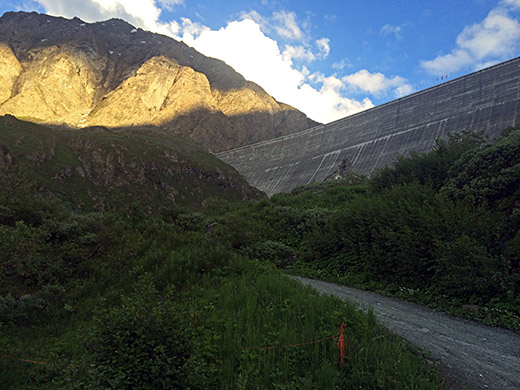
<point>471,355</point>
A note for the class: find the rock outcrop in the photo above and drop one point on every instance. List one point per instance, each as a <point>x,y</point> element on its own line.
<point>60,71</point>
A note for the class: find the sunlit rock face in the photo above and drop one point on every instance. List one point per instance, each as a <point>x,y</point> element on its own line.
<point>10,69</point>
<point>54,85</point>
<point>60,71</point>
<point>487,101</point>
<point>160,91</point>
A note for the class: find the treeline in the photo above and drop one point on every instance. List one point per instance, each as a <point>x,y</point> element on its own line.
<point>441,228</point>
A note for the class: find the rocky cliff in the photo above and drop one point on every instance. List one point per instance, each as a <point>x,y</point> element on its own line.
<point>60,71</point>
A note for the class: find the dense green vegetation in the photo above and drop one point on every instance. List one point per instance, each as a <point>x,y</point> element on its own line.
<point>167,297</point>
<point>100,169</point>
<point>135,301</point>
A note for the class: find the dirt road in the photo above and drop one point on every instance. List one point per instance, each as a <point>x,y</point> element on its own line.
<point>471,355</point>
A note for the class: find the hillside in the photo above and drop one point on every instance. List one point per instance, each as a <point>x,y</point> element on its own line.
<point>60,71</point>
<point>99,168</point>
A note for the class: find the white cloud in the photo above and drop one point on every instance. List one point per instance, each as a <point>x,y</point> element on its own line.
<point>344,63</point>
<point>324,47</point>
<point>305,53</point>
<point>403,90</point>
<point>328,101</point>
<point>492,40</point>
<point>263,63</point>
<point>298,53</point>
<point>495,36</point>
<point>242,45</point>
<point>378,84</point>
<point>511,3</point>
<point>255,16</point>
<point>286,25</point>
<point>191,30</point>
<point>170,4</point>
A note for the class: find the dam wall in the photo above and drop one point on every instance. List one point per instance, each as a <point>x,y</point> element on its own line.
<point>487,100</point>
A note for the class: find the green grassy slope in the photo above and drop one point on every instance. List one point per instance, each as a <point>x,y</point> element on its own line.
<point>100,169</point>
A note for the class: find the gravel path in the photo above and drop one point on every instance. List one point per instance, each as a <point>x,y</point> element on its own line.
<point>471,355</point>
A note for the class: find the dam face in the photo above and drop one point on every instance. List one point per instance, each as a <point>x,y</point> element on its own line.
<point>487,100</point>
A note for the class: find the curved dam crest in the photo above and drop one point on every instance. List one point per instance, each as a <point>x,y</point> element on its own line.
<point>487,100</point>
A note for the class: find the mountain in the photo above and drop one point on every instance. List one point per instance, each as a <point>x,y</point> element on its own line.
<point>60,71</point>
<point>100,169</point>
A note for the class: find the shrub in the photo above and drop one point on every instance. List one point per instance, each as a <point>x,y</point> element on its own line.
<point>143,344</point>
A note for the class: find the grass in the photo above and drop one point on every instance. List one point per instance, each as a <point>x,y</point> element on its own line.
<point>252,316</point>
<point>235,314</point>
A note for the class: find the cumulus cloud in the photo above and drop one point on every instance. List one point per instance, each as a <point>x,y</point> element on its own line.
<point>324,47</point>
<point>298,53</point>
<point>492,40</point>
<point>264,63</point>
<point>328,101</point>
<point>306,53</point>
<point>378,84</point>
<point>261,62</point>
<point>190,30</point>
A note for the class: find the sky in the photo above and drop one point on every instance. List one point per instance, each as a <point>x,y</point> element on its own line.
<point>328,59</point>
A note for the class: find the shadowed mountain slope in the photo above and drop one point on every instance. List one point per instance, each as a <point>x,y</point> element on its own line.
<point>100,169</point>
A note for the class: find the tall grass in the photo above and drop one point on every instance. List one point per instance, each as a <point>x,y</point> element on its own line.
<point>255,318</point>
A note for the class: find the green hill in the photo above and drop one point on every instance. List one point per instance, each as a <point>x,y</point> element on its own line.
<point>100,169</point>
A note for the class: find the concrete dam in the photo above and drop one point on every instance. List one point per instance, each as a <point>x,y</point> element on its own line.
<point>487,100</point>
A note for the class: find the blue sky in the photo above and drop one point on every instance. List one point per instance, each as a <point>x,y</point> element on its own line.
<point>328,59</point>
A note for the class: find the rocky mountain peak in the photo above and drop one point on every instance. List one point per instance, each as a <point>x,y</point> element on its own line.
<point>66,71</point>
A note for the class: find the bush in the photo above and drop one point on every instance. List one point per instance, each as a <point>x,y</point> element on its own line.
<point>143,344</point>
<point>273,251</point>
<point>30,308</point>
<point>430,169</point>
